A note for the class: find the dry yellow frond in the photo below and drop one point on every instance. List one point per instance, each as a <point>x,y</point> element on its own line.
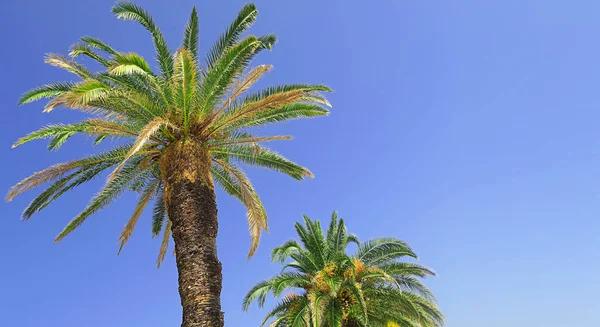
<point>39,178</point>
<point>129,227</point>
<point>273,101</point>
<point>243,84</point>
<point>66,64</point>
<point>143,137</point>
<point>256,214</point>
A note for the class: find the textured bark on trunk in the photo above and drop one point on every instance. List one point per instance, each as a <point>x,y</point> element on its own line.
<point>191,206</point>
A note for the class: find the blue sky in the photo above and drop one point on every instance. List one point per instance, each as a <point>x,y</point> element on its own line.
<point>467,128</point>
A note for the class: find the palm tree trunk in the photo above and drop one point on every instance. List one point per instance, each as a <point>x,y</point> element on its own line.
<point>191,206</point>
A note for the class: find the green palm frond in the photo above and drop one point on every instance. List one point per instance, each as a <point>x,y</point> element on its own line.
<point>383,250</point>
<point>159,213</point>
<point>106,196</point>
<point>59,170</point>
<point>185,82</point>
<point>244,20</point>
<point>97,44</point>
<point>190,36</point>
<point>130,63</point>
<point>284,113</point>
<point>281,308</point>
<point>89,127</point>
<point>256,155</point>
<point>282,252</point>
<point>232,63</point>
<point>51,90</point>
<point>128,11</point>
<point>164,245</point>
<point>82,49</point>
<point>265,101</point>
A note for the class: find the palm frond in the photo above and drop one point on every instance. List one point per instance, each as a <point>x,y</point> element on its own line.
<point>51,90</point>
<point>282,252</point>
<point>129,11</point>
<point>145,134</point>
<point>82,49</point>
<point>382,250</point>
<point>90,127</point>
<point>232,63</point>
<point>276,115</point>
<point>241,85</point>
<point>268,106</point>
<point>159,214</point>
<point>262,157</point>
<point>358,296</point>
<point>59,170</point>
<point>244,20</point>
<point>333,314</point>
<point>235,182</point>
<point>164,246</point>
<point>80,96</point>
<point>129,63</point>
<point>108,194</point>
<point>145,198</point>
<point>97,44</point>
<point>280,309</point>
<point>190,36</point>
<point>185,80</point>
<point>249,139</point>
<point>80,176</point>
<point>68,65</point>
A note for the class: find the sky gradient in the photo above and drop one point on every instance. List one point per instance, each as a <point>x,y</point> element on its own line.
<point>467,128</point>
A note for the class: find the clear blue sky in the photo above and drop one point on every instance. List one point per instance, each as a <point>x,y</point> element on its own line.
<point>467,128</point>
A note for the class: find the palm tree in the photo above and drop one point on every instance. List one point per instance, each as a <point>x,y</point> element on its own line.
<point>326,287</point>
<point>188,128</point>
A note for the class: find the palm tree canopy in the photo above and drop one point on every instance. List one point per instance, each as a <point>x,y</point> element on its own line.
<point>323,286</point>
<point>187,101</point>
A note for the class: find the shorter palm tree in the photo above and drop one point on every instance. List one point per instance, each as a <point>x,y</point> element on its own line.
<point>323,286</point>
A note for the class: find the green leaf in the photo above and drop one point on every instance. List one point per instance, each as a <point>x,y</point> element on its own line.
<point>383,250</point>
<point>244,20</point>
<point>129,11</point>
<point>107,195</point>
<point>185,80</point>
<point>159,214</point>
<point>260,156</point>
<point>51,90</point>
<point>130,63</point>
<point>190,36</point>
<point>81,49</point>
<point>233,62</point>
<point>97,44</point>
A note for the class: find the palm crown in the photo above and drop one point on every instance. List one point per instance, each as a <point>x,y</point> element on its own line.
<point>328,287</point>
<point>186,102</point>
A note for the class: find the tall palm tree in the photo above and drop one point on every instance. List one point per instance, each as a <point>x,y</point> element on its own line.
<point>188,125</point>
<point>327,287</point>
